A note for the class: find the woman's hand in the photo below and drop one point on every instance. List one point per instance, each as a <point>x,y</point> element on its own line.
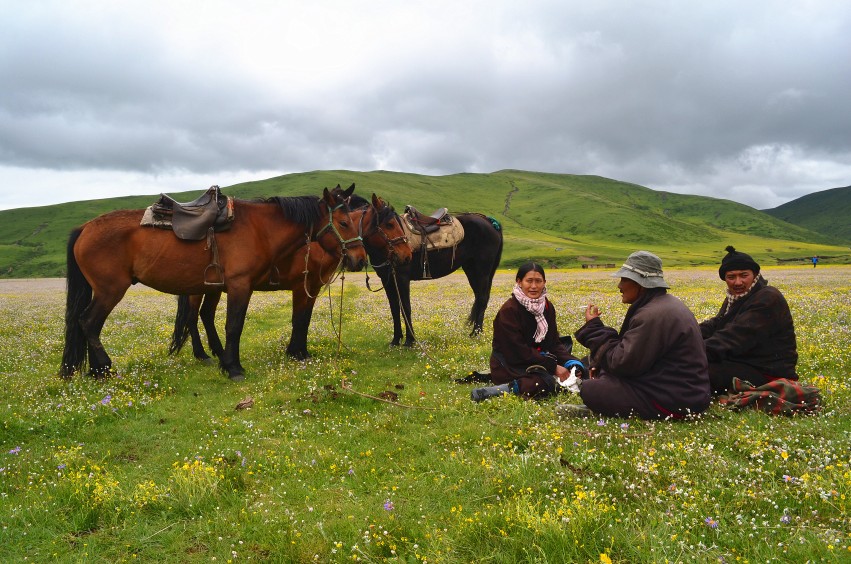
<point>562,373</point>
<point>591,312</point>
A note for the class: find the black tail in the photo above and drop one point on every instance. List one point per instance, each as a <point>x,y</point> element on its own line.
<point>79,296</point>
<point>474,313</point>
<point>181,325</point>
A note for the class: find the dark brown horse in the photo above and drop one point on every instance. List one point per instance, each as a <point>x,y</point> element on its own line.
<point>478,254</point>
<point>112,251</point>
<point>311,268</point>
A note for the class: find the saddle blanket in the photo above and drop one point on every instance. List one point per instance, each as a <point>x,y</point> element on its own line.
<point>448,236</point>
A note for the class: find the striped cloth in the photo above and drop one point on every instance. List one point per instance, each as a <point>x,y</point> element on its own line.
<point>778,397</point>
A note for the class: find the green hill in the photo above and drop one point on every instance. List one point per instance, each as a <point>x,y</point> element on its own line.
<point>825,212</point>
<point>559,219</point>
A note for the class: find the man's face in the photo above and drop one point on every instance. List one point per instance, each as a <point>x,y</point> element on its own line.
<point>630,291</point>
<point>738,281</point>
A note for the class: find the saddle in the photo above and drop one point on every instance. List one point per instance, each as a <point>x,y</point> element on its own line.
<point>193,220</point>
<point>425,224</point>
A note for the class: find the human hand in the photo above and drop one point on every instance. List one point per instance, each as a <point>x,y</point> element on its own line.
<point>591,312</point>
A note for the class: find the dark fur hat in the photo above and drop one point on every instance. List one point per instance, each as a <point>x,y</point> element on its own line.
<point>734,260</point>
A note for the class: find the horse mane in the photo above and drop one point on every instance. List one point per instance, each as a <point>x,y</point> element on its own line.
<point>384,214</point>
<point>303,210</point>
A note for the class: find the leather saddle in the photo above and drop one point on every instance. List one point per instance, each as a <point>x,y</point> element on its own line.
<point>427,223</point>
<point>192,220</point>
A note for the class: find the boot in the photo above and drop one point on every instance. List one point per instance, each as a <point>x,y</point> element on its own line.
<point>481,394</point>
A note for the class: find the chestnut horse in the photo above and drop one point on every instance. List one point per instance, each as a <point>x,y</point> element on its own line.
<point>310,270</point>
<point>478,254</point>
<point>112,251</point>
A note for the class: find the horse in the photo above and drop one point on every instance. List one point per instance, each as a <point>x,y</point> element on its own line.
<point>111,252</point>
<point>310,270</point>
<point>478,254</point>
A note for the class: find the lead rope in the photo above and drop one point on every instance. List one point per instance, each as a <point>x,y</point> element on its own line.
<point>409,326</point>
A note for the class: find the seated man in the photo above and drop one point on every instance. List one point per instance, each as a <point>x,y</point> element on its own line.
<point>752,337</point>
<point>654,366</point>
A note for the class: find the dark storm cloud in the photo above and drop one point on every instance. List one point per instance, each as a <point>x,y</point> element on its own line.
<point>747,102</point>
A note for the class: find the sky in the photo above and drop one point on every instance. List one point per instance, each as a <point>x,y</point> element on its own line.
<point>746,101</point>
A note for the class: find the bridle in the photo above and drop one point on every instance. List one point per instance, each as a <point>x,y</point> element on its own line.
<point>391,243</point>
<point>344,243</point>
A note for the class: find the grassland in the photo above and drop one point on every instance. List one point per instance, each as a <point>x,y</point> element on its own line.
<point>156,464</point>
<point>560,220</point>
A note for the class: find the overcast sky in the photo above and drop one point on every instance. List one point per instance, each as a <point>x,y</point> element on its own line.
<point>749,101</point>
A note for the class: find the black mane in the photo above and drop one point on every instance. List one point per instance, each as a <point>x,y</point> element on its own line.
<point>304,210</point>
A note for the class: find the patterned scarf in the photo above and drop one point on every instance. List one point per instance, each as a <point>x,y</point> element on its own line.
<point>732,298</point>
<point>536,307</point>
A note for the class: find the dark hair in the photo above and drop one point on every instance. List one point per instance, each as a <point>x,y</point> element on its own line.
<point>528,267</point>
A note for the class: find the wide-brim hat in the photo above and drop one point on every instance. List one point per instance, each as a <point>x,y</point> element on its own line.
<point>644,268</point>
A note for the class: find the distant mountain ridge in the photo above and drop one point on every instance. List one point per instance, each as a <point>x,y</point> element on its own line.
<point>562,220</point>
<point>825,212</point>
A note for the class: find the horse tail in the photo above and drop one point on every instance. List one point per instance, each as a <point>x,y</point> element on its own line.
<point>181,325</point>
<point>471,319</point>
<point>78,298</point>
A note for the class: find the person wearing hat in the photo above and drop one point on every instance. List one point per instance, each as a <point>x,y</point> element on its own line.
<point>752,337</point>
<point>529,358</point>
<point>655,367</point>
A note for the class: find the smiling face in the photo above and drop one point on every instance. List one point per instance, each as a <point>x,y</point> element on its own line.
<point>532,284</point>
<point>738,281</point>
<point>630,290</point>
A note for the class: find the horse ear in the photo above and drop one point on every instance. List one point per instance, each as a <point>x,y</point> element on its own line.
<point>348,191</point>
<point>326,195</point>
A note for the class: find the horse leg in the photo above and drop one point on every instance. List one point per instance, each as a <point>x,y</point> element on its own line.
<point>91,322</point>
<point>405,296</point>
<point>302,314</point>
<point>208,318</point>
<point>237,309</point>
<point>482,294</point>
<point>393,300</point>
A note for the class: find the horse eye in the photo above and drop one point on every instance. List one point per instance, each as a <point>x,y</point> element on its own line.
<point>344,224</point>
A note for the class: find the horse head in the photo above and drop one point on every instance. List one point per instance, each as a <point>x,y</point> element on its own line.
<point>394,241</point>
<point>340,234</point>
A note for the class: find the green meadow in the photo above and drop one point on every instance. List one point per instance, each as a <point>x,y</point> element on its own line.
<point>561,220</point>
<point>367,453</point>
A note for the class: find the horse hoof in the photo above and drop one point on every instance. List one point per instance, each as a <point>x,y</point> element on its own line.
<point>236,377</point>
<point>207,361</point>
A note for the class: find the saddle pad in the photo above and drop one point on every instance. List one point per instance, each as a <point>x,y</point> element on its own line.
<point>447,236</point>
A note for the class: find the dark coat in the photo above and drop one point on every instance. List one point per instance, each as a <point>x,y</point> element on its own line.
<point>757,331</point>
<point>514,346</point>
<point>657,357</point>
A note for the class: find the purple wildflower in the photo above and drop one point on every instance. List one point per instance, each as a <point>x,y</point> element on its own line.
<point>15,450</point>
<point>786,519</point>
<point>711,523</point>
<point>106,400</point>
<point>388,506</point>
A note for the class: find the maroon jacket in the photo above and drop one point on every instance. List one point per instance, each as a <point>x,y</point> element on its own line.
<point>514,346</point>
<point>658,354</point>
<point>757,331</point>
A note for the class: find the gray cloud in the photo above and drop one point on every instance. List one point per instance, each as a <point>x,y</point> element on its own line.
<point>747,102</point>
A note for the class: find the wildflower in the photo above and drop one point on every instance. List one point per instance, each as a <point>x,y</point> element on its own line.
<point>624,426</point>
<point>388,505</point>
<point>106,400</point>
<point>600,422</point>
<point>786,519</point>
<point>15,450</point>
<point>604,558</point>
<point>711,523</point>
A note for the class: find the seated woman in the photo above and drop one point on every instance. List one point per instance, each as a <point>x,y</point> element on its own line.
<point>528,356</point>
<point>655,367</point>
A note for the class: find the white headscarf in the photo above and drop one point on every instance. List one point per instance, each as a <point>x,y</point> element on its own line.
<point>536,307</point>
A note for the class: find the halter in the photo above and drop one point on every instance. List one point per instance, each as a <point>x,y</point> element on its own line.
<point>333,229</point>
<point>391,243</point>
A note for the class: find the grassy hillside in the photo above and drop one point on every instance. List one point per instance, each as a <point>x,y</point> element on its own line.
<point>561,220</point>
<point>824,212</point>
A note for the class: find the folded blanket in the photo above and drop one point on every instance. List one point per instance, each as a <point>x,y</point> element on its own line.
<point>778,397</point>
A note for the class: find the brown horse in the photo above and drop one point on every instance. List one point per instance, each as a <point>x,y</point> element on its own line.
<point>112,251</point>
<point>310,270</point>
